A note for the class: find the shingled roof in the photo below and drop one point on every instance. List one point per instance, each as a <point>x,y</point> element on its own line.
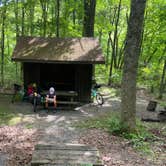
<point>58,50</point>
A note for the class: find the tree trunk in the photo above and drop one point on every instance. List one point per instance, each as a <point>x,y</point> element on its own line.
<point>108,48</point>
<point>22,34</point>
<point>74,14</point>
<point>100,35</point>
<point>17,30</point>
<point>23,19</point>
<point>89,18</point>
<point>3,43</point>
<point>16,19</point>
<point>120,57</point>
<point>131,57</point>
<point>162,84</point>
<point>114,42</point>
<point>116,34</point>
<point>44,6</point>
<point>57,10</point>
<point>31,16</point>
<point>110,72</point>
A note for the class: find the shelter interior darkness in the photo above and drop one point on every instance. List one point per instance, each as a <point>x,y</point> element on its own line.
<point>60,76</point>
<point>63,77</point>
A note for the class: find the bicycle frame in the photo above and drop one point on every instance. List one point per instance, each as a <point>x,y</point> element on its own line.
<point>93,92</point>
<point>96,95</point>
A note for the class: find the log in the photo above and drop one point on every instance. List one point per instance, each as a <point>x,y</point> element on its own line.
<point>150,120</point>
<point>162,115</point>
<point>152,105</point>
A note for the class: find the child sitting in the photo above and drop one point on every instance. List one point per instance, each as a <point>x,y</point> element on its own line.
<point>51,97</point>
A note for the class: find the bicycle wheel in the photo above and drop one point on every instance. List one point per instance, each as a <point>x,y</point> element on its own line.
<point>34,104</point>
<point>99,99</point>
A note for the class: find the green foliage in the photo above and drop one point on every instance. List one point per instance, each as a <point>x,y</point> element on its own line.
<point>29,126</point>
<point>99,76</point>
<point>116,77</point>
<point>153,49</point>
<point>71,25</point>
<point>140,139</point>
<point>8,117</point>
<point>163,104</point>
<point>86,164</point>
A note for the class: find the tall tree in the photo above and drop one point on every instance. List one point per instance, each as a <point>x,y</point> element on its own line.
<point>114,41</point>
<point>16,11</point>
<point>89,18</point>
<point>44,6</point>
<point>57,10</point>
<point>74,14</point>
<point>131,57</point>
<point>163,81</point>
<point>23,18</point>
<point>3,14</point>
<point>31,5</point>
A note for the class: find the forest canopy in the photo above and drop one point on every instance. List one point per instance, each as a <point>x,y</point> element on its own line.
<point>55,18</point>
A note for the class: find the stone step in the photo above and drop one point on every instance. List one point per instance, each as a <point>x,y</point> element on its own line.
<point>3,159</point>
<point>66,146</point>
<point>65,155</point>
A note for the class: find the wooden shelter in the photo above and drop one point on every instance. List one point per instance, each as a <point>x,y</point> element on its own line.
<point>64,63</point>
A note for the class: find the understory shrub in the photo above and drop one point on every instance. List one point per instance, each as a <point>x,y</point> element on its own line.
<point>140,139</point>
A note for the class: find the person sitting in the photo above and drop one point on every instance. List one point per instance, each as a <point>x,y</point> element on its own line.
<point>51,97</point>
<point>31,91</point>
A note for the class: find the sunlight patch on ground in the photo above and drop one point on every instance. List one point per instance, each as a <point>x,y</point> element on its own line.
<point>14,121</point>
<point>141,101</point>
<point>83,111</point>
<point>60,119</point>
<point>28,119</point>
<point>51,118</point>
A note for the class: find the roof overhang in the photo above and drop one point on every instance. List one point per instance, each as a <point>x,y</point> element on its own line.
<point>58,50</point>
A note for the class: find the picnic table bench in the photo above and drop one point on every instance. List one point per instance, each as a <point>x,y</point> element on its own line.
<point>65,97</point>
<point>68,98</point>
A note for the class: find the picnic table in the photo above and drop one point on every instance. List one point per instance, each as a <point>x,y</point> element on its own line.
<point>65,97</point>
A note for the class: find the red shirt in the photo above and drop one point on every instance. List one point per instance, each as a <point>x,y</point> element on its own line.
<point>30,90</point>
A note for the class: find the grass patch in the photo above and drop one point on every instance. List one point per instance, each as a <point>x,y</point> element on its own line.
<point>140,139</point>
<point>163,104</point>
<point>8,116</point>
<point>29,126</point>
<point>14,121</point>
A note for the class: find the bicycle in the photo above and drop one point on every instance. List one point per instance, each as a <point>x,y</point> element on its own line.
<point>18,93</point>
<point>37,99</point>
<point>34,101</point>
<point>96,95</point>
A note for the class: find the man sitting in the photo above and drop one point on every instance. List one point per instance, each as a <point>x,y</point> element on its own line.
<point>51,97</point>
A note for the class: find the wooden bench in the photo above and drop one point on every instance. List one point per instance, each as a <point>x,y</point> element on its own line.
<point>68,95</point>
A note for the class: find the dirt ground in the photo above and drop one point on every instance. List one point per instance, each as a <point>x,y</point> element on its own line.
<point>117,151</point>
<point>17,142</point>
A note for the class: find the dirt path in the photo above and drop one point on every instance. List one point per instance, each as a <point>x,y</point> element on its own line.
<point>57,128</point>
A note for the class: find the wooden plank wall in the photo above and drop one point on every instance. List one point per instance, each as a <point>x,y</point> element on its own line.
<point>84,82</point>
<point>31,73</point>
